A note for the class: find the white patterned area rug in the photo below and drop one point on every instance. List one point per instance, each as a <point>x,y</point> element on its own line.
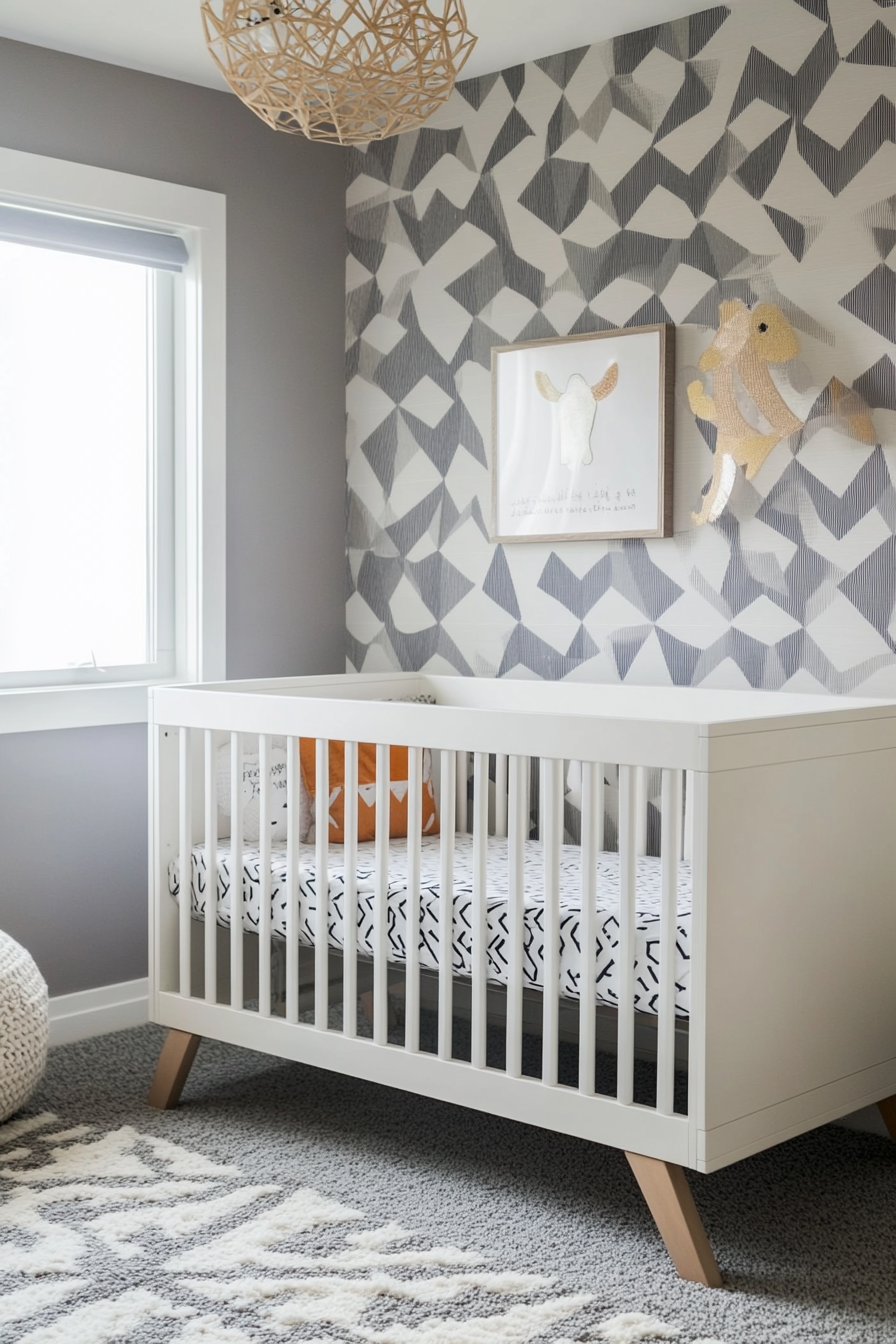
<point>120,1235</point>
<point>281,1203</point>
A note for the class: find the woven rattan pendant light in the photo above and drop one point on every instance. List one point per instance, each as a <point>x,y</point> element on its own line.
<point>342,70</point>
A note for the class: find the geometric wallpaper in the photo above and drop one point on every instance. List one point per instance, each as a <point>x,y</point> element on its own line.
<point>745,153</point>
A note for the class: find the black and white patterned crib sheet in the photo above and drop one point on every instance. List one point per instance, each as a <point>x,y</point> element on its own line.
<point>647,924</point>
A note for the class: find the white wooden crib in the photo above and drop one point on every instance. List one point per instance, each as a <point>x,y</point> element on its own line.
<point>772,826</point>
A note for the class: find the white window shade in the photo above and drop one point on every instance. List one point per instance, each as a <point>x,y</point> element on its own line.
<point>92,238</point>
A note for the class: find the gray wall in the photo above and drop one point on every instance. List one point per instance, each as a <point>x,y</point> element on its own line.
<point>73,804</point>
<point>73,852</point>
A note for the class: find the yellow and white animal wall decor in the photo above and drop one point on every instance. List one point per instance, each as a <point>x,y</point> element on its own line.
<point>748,411</point>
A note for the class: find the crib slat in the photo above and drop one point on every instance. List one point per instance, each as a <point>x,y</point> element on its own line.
<point>350,899</point>
<point>412,946</point>
<point>551,831</point>
<point>641,810</point>
<point>185,859</point>
<point>670,847</point>
<point>380,911</point>
<point>687,847</point>
<point>322,881</point>
<point>480,894</point>
<point>626,949</point>
<point>211,865</point>
<point>461,783</point>
<point>264,875</point>
<point>518,812</point>
<point>447,821</point>
<point>293,858</point>
<point>236,871</point>
<point>592,826</point>
<point>500,795</point>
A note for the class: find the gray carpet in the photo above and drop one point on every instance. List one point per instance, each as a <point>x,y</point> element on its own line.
<point>805,1234</point>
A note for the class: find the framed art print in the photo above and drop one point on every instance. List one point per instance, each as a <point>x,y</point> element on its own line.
<point>582,436</point>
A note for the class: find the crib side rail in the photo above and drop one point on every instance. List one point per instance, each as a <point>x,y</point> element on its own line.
<point>641,742</point>
<point>348,946</point>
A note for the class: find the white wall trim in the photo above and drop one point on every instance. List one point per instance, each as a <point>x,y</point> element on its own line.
<point>199,217</point>
<point>93,1012</point>
<point>37,708</point>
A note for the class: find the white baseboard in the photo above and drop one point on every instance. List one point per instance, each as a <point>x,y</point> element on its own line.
<point>93,1012</point>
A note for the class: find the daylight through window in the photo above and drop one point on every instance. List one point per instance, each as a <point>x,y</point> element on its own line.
<point>86,467</point>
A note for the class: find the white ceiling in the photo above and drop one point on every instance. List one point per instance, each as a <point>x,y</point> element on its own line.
<point>164,37</point>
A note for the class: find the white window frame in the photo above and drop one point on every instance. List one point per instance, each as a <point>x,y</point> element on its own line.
<point>199,217</point>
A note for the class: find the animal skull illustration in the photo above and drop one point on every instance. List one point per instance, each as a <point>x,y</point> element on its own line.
<point>577,410</point>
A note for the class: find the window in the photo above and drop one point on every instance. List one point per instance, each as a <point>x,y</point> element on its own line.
<point>111,440</point>
<point>86,468</point>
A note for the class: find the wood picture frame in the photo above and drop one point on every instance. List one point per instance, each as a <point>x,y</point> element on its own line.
<point>582,436</point>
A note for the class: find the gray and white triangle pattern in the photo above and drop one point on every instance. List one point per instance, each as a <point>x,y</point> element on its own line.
<point>744,153</point>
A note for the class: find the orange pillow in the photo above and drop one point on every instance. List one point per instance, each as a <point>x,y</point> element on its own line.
<point>398,781</point>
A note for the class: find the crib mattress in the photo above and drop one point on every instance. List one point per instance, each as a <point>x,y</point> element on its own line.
<point>647,925</point>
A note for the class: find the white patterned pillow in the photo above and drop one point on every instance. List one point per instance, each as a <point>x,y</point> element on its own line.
<point>252,792</point>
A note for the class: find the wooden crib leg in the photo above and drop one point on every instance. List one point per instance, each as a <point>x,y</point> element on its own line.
<point>887,1109</point>
<point>173,1068</point>
<point>665,1188</point>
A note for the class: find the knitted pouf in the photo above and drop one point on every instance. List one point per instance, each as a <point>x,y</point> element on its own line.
<point>24,1025</point>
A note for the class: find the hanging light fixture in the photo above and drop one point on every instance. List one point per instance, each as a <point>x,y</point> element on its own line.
<point>342,70</point>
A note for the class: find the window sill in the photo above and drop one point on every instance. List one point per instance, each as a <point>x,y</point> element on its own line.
<point>34,709</point>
